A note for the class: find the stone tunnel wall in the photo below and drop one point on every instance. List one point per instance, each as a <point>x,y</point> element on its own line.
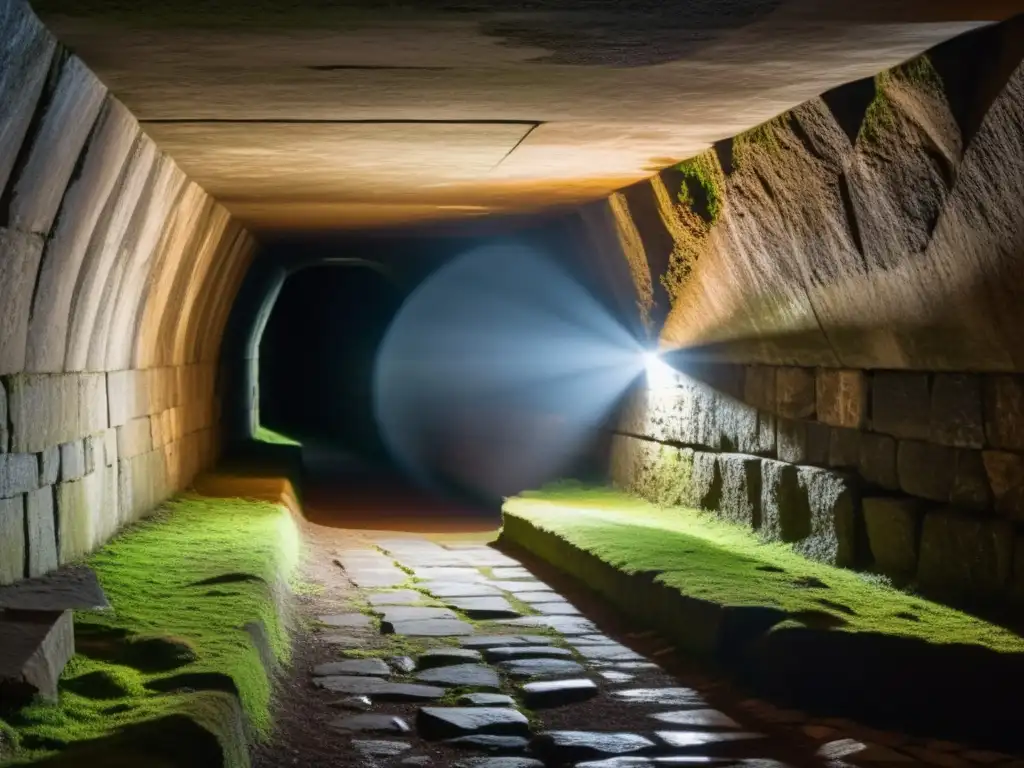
<point>116,277</point>
<point>847,286</point>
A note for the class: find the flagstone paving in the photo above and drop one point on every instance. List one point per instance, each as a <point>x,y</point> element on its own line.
<point>458,655</point>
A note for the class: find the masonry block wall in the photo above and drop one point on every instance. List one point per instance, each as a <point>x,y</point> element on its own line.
<point>116,278</point>
<point>845,286</point>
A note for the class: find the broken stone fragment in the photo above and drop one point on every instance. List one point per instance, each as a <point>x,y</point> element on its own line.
<point>35,646</point>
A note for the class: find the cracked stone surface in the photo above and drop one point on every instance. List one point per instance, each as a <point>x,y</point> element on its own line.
<point>452,722</point>
<point>374,667</point>
<point>462,676</point>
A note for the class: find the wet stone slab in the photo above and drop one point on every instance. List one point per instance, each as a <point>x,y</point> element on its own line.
<point>500,641</point>
<point>558,693</point>
<point>462,676</point>
<point>449,589</point>
<point>451,722</point>
<point>428,628</point>
<point>517,652</point>
<point>533,598</point>
<point>556,609</point>
<point>396,613</point>
<point>703,742</point>
<point>396,597</point>
<point>562,747</point>
<point>698,718</point>
<point>484,607</point>
<point>662,697</point>
<point>371,723</point>
<point>361,667</point>
<point>500,762</point>
<point>525,668</point>
<point>486,700</point>
<point>567,625</point>
<point>376,688</point>
<point>495,745</point>
<point>608,653</point>
<point>444,657</point>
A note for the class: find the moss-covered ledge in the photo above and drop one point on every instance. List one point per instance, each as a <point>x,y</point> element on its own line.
<point>179,673</point>
<point>803,633</point>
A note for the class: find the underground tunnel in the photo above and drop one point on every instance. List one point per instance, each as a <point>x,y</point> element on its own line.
<point>511,385</point>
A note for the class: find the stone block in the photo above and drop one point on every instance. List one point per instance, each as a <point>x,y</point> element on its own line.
<point>759,387</point>
<point>12,539</point>
<point>964,554</point>
<point>5,441</point>
<point>72,460</point>
<point>785,515</point>
<point>893,527</point>
<point>706,481</point>
<point>80,209</point>
<point>1005,473</point>
<point>37,646</point>
<point>38,407</point>
<point>877,461</point>
<point>925,469</point>
<point>766,429</point>
<point>110,446</point>
<point>792,441</point>
<point>794,393</point>
<point>94,447</point>
<point>20,255</point>
<point>741,489</point>
<point>956,411</point>
<point>834,526</point>
<point>93,414</point>
<point>971,488</point>
<point>120,397</point>
<point>42,536</point>
<point>79,513</point>
<point>19,473</point>
<point>134,437</point>
<point>28,51</point>
<point>49,466</point>
<point>842,397</point>
<point>1004,412</point>
<point>66,124</point>
<point>901,405</point>
<point>737,424</point>
<point>73,588</point>
<point>844,448</point>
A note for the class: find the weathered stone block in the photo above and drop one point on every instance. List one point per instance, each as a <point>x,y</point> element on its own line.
<point>5,441</point>
<point>42,537</point>
<point>92,402</point>
<point>901,405</point>
<point>759,387</point>
<point>964,554</point>
<point>893,527</point>
<point>660,473</point>
<point>877,461</point>
<point>707,481</point>
<point>844,448</point>
<point>19,473</point>
<point>766,440</point>
<point>28,51</point>
<point>794,393</point>
<point>1005,473</point>
<point>20,255</point>
<point>56,146</point>
<point>971,488</point>
<point>925,469</point>
<point>792,441</point>
<point>842,397</point>
<point>956,411</point>
<point>785,515</point>
<point>79,509</point>
<point>134,437</point>
<point>834,526</point>
<point>72,460</point>
<point>40,412</point>
<point>110,446</point>
<point>1004,411</point>
<point>741,489</point>
<point>37,646</point>
<point>49,465</point>
<point>12,539</point>
<point>737,424</point>
<point>93,445</point>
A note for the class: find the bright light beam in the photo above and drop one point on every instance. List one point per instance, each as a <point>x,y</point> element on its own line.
<point>499,371</point>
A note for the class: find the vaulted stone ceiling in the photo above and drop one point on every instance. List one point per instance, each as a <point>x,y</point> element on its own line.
<point>360,113</point>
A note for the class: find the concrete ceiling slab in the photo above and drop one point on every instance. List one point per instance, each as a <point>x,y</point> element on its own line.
<point>352,113</point>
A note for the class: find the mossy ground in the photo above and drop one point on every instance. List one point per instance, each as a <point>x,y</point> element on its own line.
<point>709,559</point>
<point>268,435</point>
<point>167,623</point>
<point>881,117</point>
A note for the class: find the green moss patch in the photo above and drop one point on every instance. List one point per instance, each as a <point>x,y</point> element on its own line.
<point>699,557</point>
<point>268,435</point>
<point>172,652</point>
<point>881,116</point>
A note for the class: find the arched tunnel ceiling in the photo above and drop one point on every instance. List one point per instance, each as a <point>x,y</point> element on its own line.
<point>360,113</point>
